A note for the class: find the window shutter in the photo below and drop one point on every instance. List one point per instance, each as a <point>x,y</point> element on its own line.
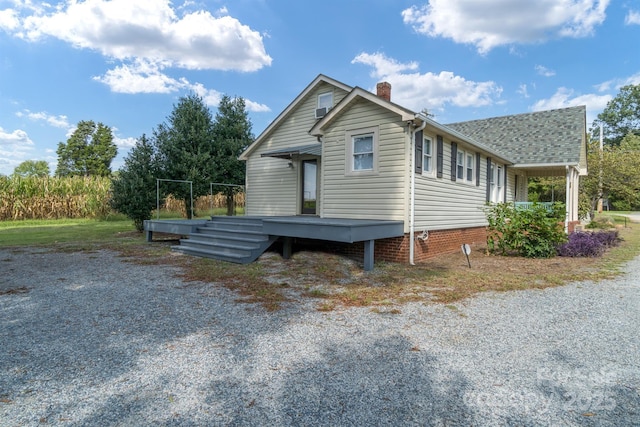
<point>418,152</point>
<point>505,184</point>
<point>477,169</point>
<point>454,160</point>
<point>440,156</point>
<point>488,179</point>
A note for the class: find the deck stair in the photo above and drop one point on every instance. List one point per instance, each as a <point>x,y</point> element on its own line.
<point>233,239</point>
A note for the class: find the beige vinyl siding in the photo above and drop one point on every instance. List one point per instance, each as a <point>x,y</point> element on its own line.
<point>379,195</point>
<point>272,187</point>
<point>443,204</point>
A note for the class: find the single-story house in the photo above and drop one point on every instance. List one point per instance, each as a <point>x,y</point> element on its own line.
<point>343,153</point>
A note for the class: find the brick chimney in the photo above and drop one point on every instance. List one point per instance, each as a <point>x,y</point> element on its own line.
<point>383,90</point>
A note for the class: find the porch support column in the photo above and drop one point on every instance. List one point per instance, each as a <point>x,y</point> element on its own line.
<point>571,198</point>
<point>368,255</point>
<point>286,248</point>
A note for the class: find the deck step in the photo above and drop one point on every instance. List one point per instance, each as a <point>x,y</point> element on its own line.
<point>233,239</point>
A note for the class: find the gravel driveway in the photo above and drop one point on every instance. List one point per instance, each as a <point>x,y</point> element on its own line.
<point>87,339</point>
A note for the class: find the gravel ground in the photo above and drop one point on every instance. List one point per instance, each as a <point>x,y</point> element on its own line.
<point>87,339</point>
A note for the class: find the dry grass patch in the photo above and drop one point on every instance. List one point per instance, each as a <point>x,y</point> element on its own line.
<point>336,281</point>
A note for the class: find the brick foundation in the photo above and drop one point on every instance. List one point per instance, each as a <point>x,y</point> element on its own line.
<point>572,226</point>
<point>396,249</point>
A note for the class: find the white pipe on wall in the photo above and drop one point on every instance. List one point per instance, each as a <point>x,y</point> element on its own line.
<point>412,171</point>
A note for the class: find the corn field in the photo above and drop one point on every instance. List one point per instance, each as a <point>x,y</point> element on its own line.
<point>53,198</point>
<point>202,204</point>
<point>76,197</point>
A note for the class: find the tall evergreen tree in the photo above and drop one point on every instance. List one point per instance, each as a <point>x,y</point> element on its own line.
<point>185,144</point>
<point>133,190</point>
<point>232,135</point>
<point>88,151</point>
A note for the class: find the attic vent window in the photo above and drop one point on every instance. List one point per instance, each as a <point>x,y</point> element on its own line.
<point>325,102</point>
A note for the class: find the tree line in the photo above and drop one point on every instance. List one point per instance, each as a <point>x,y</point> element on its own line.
<point>191,145</point>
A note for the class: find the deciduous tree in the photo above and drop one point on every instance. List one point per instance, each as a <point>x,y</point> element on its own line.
<point>620,117</point>
<point>32,168</point>
<point>620,174</point>
<point>88,151</point>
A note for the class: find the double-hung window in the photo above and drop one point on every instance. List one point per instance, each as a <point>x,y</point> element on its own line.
<point>464,166</point>
<point>460,165</point>
<point>427,156</point>
<point>361,151</point>
<point>325,100</point>
<point>469,176</point>
<point>497,183</point>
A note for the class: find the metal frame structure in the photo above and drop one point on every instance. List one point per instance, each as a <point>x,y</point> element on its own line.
<point>172,180</point>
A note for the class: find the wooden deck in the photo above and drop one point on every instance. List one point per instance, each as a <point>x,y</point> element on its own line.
<point>343,230</point>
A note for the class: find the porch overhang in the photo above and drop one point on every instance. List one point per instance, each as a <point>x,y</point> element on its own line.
<point>549,169</point>
<point>289,153</point>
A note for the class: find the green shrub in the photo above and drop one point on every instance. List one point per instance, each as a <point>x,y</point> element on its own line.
<point>532,232</point>
<point>601,222</point>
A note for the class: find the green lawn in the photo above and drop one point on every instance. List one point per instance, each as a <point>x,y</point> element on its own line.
<point>46,232</point>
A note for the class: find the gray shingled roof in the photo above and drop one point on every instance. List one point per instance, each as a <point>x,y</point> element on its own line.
<point>544,137</point>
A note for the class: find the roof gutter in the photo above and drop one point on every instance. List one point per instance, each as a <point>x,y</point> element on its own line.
<point>412,207</point>
<point>544,165</point>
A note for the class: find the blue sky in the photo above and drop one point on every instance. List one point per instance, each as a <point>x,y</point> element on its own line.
<point>126,63</point>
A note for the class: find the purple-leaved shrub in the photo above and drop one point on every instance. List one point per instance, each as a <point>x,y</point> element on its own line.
<point>589,244</point>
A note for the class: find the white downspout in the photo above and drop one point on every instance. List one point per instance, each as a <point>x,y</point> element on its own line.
<point>412,190</point>
<point>568,201</point>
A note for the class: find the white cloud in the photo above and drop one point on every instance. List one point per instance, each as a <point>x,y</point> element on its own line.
<point>634,79</point>
<point>60,121</point>
<point>9,20</point>
<point>522,90</point>
<point>148,30</point>
<point>125,143</point>
<point>487,24</point>
<point>14,149</point>
<point>140,77</point>
<point>632,18</point>
<point>256,107</point>
<point>145,77</point>
<point>429,90</point>
<point>565,97</point>
<point>544,71</point>
<point>382,65</point>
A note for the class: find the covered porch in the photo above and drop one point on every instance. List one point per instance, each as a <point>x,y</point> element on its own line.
<point>569,191</point>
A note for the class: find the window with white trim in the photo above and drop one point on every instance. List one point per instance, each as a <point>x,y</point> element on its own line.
<point>497,183</point>
<point>460,165</point>
<point>325,100</point>
<point>470,164</point>
<point>427,156</point>
<point>465,166</point>
<point>362,151</point>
